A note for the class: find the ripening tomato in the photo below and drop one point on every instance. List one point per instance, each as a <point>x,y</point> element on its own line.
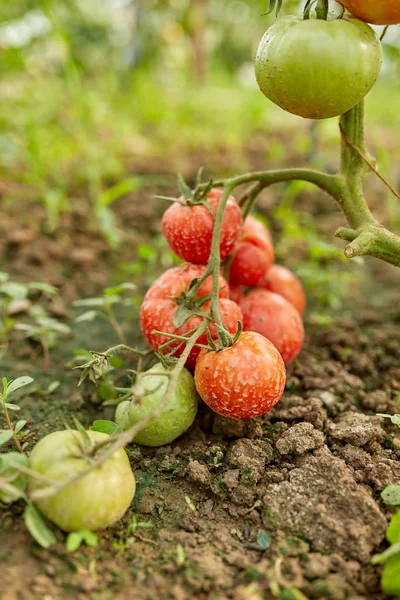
<point>274,317</point>
<point>236,292</point>
<point>243,381</point>
<point>96,501</point>
<point>253,256</point>
<point>161,302</point>
<point>315,68</point>
<point>189,229</point>
<point>176,417</point>
<point>285,283</point>
<point>378,12</point>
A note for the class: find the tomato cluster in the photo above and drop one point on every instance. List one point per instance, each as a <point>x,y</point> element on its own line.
<point>246,377</point>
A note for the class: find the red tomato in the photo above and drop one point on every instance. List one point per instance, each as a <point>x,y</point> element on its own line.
<point>243,381</point>
<point>236,293</point>
<point>161,302</point>
<point>274,317</point>
<point>254,255</point>
<point>285,283</point>
<point>189,229</point>
<point>379,12</point>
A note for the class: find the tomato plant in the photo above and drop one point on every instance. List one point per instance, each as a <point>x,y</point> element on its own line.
<point>253,256</point>
<point>94,502</point>
<point>285,283</point>
<point>170,293</point>
<point>188,227</point>
<point>243,381</point>
<point>379,12</point>
<point>304,66</point>
<point>274,317</point>
<point>175,418</point>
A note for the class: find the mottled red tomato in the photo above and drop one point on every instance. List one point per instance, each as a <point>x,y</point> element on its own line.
<point>379,12</point>
<point>243,381</point>
<point>253,256</point>
<point>285,283</point>
<point>275,318</point>
<point>189,229</point>
<point>161,302</point>
<point>236,292</point>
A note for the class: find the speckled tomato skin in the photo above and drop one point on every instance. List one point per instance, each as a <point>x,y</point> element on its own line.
<point>282,281</point>
<point>275,318</point>
<point>243,381</point>
<point>188,229</point>
<point>253,256</point>
<point>159,306</point>
<point>378,12</point>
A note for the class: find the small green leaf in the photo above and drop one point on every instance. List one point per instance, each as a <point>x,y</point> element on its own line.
<point>88,315</point>
<point>123,287</point>
<point>5,436</point>
<point>37,527</point>
<point>190,504</point>
<point>384,556</point>
<point>390,581</point>
<point>264,540</point>
<point>43,287</point>
<point>14,290</point>
<point>18,383</point>
<point>16,479</point>
<point>180,555</point>
<point>104,426</point>
<point>391,495</point>
<point>393,532</point>
<point>182,314</point>
<point>75,539</point>
<point>12,406</point>
<point>394,418</point>
<point>19,425</point>
<point>53,386</point>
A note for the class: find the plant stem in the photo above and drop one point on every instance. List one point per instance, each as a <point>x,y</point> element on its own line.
<point>116,442</point>
<point>10,425</point>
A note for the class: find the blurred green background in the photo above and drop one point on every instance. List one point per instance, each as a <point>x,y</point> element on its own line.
<point>102,97</point>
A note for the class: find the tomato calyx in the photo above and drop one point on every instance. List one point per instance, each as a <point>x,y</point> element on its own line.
<point>226,340</point>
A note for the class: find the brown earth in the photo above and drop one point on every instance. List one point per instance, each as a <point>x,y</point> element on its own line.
<point>309,473</point>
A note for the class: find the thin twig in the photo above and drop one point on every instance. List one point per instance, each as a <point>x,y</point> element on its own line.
<point>368,163</point>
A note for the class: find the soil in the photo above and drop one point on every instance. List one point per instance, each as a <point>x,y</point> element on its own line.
<point>309,474</point>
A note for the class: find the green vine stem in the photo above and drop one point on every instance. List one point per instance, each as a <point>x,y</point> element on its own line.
<point>368,237</point>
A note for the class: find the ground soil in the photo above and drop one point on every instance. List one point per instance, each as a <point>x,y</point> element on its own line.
<point>309,473</point>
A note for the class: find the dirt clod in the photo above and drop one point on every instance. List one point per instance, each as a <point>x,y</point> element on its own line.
<point>299,439</point>
<point>356,429</point>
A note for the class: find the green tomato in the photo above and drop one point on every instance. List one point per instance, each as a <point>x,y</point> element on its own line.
<point>7,471</point>
<point>94,502</point>
<point>176,417</point>
<point>318,69</point>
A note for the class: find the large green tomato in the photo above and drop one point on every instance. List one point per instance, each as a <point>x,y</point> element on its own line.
<point>318,69</point>
<point>176,417</point>
<point>97,500</point>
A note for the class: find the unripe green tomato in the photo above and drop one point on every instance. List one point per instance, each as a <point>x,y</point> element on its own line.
<point>7,470</point>
<point>315,68</point>
<point>176,417</point>
<point>96,501</point>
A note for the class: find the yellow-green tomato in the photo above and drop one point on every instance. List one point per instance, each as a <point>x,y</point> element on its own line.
<point>316,68</point>
<point>176,417</point>
<point>94,502</point>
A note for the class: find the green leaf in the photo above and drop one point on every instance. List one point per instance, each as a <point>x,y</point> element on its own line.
<point>390,580</point>
<point>19,425</point>
<point>75,539</point>
<point>393,532</point>
<point>123,287</point>
<point>264,540</point>
<point>120,189</point>
<point>12,406</point>
<point>180,555</point>
<point>5,436</point>
<point>43,287</point>
<point>14,290</point>
<point>83,431</point>
<point>3,276</point>
<point>88,315</point>
<point>394,418</point>
<point>104,426</point>
<point>182,314</point>
<point>18,383</point>
<point>184,188</point>
<point>37,527</point>
<point>53,386</point>
<point>391,495</point>
<point>16,479</point>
